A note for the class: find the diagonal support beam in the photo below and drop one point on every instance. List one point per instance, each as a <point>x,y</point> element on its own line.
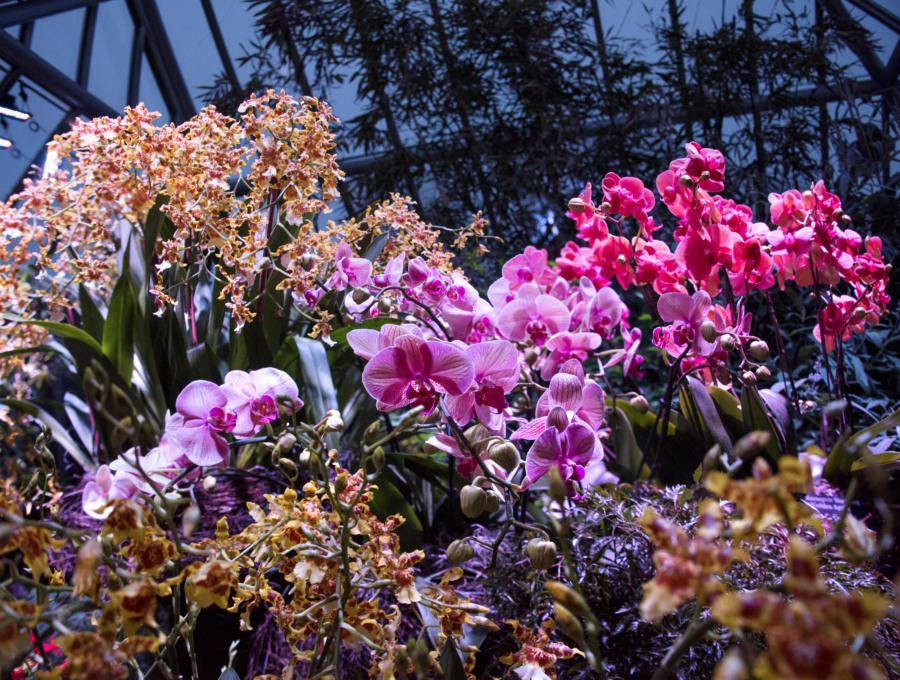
<point>51,78</point>
<point>161,58</point>
<point>24,12</point>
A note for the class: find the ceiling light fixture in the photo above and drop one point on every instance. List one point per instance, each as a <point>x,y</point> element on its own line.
<point>14,113</point>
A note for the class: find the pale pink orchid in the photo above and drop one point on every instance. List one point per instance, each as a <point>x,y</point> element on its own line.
<point>253,397</point>
<point>349,270</point>
<point>496,366</point>
<point>565,346</point>
<point>533,316</point>
<point>202,406</point>
<point>161,464</point>
<point>685,313</point>
<point>104,488</point>
<point>415,371</point>
<point>581,402</point>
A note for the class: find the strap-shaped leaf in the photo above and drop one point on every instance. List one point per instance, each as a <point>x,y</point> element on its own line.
<point>60,435</point>
<point>756,417</point>
<point>700,409</point>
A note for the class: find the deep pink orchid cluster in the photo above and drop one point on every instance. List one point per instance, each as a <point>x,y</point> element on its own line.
<point>556,328</point>
<point>194,435</point>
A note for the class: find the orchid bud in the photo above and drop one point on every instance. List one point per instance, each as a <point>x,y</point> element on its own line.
<point>341,482</point>
<point>556,485</point>
<point>763,373</point>
<point>751,444</point>
<point>686,181</point>
<point>378,459</point>
<point>860,539</point>
<point>384,305</point>
<point>541,552</point>
<point>209,482</point>
<point>846,219</point>
<point>639,403</point>
<point>371,432</point>
<point>568,597</point>
<point>557,418</point>
<point>472,500</point>
<point>285,443</point>
<point>606,206</point>
<point>333,421</point>
<point>728,342</point>
<point>308,262</point>
<point>360,295</point>
<point>492,501</point>
<point>859,313</point>
<point>189,520</point>
<point>621,260</point>
<point>576,205</point>
<point>704,175</point>
<point>748,378</point>
<point>708,331</point>
<point>531,356</point>
<point>459,551</point>
<point>568,623</point>
<point>428,418</point>
<point>506,455</point>
<point>759,350</point>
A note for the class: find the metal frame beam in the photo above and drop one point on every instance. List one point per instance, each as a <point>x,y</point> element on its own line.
<point>230,73</point>
<point>162,59</point>
<point>879,13</point>
<point>23,12</point>
<point>51,79</point>
<point>86,46</point>
<point>357,165</point>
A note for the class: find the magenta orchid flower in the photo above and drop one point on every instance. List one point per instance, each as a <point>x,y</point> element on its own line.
<point>202,406</point>
<point>415,371</point>
<point>533,316</point>
<point>496,366</point>
<point>253,397</point>
<point>685,313</point>
<point>393,271</point>
<point>349,270</point>
<point>569,450</point>
<point>366,343</point>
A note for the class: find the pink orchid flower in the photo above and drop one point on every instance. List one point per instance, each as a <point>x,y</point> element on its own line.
<point>349,270</point>
<point>104,488</point>
<point>533,315</point>
<point>393,271</point>
<point>496,365</point>
<point>415,371</point>
<point>582,402</point>
<point>570,450</point>
<point>253,397</point>
<point>685,313</point>
<point>565,346</point>
<point>202,406</point>
<point>366,343</point>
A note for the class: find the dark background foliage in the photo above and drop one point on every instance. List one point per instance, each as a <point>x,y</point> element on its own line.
<point>510,107</point>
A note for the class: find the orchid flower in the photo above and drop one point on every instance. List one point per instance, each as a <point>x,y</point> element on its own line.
<point>202,407</point>
<point>415,371</point>
<point>253,397</point>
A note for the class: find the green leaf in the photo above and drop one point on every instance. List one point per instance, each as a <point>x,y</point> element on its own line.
<point>451,664</point>
<point>26,350</point>
<point>885,458</point>
<point>388,500</point>
<point>118,330</point>
<point>729,409</point>
<point>701,410</point>
<point>846,451</point>
<point>318,385</point>
<point>63,330</point>
<point>91,318</point>
<point>755,417</point>
<point>340,335</point>
<point>623,442</point>
<point>60,434</point>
